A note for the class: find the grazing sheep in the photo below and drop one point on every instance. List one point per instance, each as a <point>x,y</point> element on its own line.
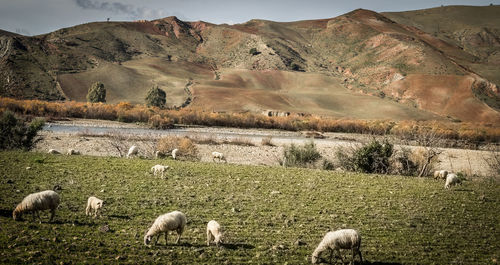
<point>340,239</point>
<point>157,154</point>
<point>132,151</point>
<point>440,174</point>
<point>451,180</point>
<point>167,222</point>
<point>94,205</point>
<point>73,152</point>
<point>53,151</point>
<point>174,153</point>
<point>214,232</point>
<point>35,202</point>
<point>219,156</point>
<point>159,169</point>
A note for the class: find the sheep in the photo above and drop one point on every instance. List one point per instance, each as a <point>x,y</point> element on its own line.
<point>214,232</point>
<point>174,153</point>
<point>35,202</point>
<point>167,222</point>
<point>219,156</point>
<point>159,169</point>
<point>132,151</point>
<point>157,154</point>
<point>73,152</point>
<point>440,174</point>
<point>53,151</point>
<point>451,179</point>
<point>340,239</point>
<point>94,205</point>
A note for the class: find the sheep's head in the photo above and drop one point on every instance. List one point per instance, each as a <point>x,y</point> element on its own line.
<point>99,204</point>
<point>314,259</point>
<point>16,215</point>
<point>147,239</point>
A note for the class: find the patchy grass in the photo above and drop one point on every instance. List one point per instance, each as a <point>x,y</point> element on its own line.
<point>265,210</point>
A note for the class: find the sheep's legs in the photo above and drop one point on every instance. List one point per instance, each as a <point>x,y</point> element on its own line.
<point>157,238</point>
<point>166,242</point>
<point>178,237</point>
<point>208,238</point>
<point>360,256</point>
<point>52,214</point>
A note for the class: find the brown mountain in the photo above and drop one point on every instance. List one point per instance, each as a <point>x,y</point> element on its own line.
<point>360,65</point>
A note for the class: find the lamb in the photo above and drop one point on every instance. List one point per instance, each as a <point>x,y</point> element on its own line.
<point>167,222</point>
<point>174,153</point>
<point>132,151</point>
<point>73,152</point>
<point>35,202</point>
<point>159,169</point>
<point>94,205</point>
<point>53,151</point>
<point>340,239</point>
<point>219,156</point>
<point>214,232</point>
<point>440,174</point>
<point>451,180</point>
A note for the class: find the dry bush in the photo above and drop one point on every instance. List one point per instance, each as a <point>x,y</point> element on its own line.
<point>205,140</point>
<point>267,141</point>
<point>426,160</point>
<point>187,148</point>
<point>239,141</point>
<point>493,161</point>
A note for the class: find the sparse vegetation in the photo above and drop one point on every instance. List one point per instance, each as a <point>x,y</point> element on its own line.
<point>156,97</point>
<point>300,156</point>
<point>268,140</point>
<point>464,133</point>
<point>16,133</point>
<point>187,148</point>
<point>96,93</point>
<point>401,220</point>
<point>253,51</point>
<point>371,157</point>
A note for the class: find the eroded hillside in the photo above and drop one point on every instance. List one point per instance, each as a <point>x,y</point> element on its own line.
<point>361,65</point>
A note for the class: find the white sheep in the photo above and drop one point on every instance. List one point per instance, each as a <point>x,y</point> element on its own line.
<point>94,206</point>
<point>73,152</point>
<point>53,151</point>
<point>219,156</point>
<point>133,150</point>
<point>167,222</point>
<point>159,169</point>
<point>440,174</point>
<point>214,233</point>
<point>451,179</point>
<point>35,202</point>
<point>340,239</point>
<point>157,154</point>
<point>174,153</point>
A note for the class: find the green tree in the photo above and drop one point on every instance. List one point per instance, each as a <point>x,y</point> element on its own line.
<point>156,97</point>
<point>16,134</point>
<point>97,93</point>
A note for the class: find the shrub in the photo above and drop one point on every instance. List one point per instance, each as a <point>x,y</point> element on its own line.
<point>368,158</point>
<point>187,148</point>
<point>96,93</point>
<point>158,122</point>
<point>253,51</point>
<point>405,163</point>
<point>156,97</point>
<point>267,141</point>
<point>16,134</point>
<point>300,156</point>
<point>328,165</point>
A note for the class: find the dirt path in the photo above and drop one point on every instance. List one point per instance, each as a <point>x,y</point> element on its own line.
<point>101,138</point>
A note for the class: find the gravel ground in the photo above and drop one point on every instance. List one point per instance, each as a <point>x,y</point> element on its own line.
<point>122,136</point>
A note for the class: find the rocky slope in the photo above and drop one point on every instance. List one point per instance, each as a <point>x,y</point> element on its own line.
<point>395,65</point>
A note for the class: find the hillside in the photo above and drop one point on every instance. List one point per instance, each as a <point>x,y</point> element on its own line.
<point>362,65</point>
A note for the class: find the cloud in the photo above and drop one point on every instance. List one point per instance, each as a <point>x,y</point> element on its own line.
<point>135,12</point>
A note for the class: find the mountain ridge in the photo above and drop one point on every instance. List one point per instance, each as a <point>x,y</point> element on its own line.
<point>377,58</point>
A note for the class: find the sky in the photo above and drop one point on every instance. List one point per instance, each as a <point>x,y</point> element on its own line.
<point>33,17</point>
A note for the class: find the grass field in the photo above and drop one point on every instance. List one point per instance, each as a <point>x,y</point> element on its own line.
<point>264,210</point>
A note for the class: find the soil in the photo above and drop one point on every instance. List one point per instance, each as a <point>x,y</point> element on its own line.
<point>122,136</point>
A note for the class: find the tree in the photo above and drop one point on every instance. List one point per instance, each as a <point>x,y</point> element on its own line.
<point>156,97</point>
<point>97,93</point>
<point>16,134</point>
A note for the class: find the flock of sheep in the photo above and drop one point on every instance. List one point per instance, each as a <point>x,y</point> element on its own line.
<point>176,221</point>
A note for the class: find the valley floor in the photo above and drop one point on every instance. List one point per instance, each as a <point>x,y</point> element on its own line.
<point>100,138</point>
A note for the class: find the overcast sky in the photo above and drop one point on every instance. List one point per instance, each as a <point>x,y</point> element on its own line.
<point>33,17</point>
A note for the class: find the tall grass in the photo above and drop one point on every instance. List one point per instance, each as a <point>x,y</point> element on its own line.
<point>158,118</point>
